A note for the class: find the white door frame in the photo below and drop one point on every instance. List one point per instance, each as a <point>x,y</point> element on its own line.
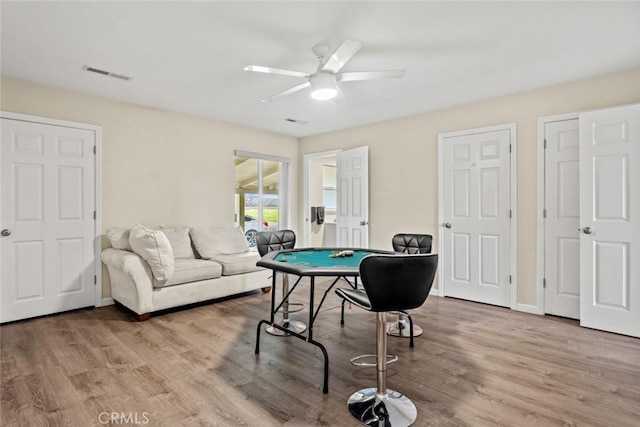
<point>306,159</point>
<point>97,130</point>
<point>513,241</point>
<point>540,240</point>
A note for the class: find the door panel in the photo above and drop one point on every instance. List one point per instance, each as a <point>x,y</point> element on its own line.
<point>461,198</point>
<point>568,283</point>
<point>48,199</point>
<point>562,205</point>
<point>489,260</point>
<point>28,271</point>
<point>461,257</point>
<point>609,211</point>
<point>352,223</point>
<point>476,205</point>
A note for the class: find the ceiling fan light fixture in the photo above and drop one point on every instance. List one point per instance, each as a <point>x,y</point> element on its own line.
<point>323,86</point>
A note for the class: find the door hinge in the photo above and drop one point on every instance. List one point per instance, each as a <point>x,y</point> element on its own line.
<point>544,213</point>
<point>94,149</point>
<point>510,213</point>
<point>95,215</point>
<point>544,283</point>
<point>509,148</point>
<point>545,144</point>
<point>509,279</point>
<point>95,280</point>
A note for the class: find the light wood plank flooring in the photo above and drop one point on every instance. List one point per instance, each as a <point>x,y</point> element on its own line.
<point>475,365</point>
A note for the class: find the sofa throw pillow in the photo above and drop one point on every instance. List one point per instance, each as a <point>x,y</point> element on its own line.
<point>154,247</point>
<point>212,241</point>
<point>180,242</point>
<point>119,238</point>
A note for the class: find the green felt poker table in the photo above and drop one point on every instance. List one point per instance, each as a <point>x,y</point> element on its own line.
<point>311,263</point>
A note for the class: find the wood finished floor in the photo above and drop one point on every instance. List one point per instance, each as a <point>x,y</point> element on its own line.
<point>475,365</point>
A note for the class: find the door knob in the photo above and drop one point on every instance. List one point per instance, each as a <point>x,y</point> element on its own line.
<point>6,232</point>
<point>364,223</point>
<point>587,230</point>
<point>447,225</point>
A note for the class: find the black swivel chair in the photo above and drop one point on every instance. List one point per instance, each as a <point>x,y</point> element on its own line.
<point>268,241</point>
<point>409,244</point>
<point>391,283</point>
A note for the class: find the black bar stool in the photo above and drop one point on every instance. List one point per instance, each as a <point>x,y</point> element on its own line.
<point>407,243</point>
<point>391,283</point>
<point>268,241</point>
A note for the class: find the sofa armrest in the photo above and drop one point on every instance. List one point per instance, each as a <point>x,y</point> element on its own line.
<point>131,279</point>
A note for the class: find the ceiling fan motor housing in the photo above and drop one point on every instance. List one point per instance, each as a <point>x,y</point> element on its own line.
<point>323,85</point>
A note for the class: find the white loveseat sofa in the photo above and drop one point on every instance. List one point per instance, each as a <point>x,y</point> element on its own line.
<point>152,270</point>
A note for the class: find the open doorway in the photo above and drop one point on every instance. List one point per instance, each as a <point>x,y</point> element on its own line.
<point>320,199</point>
<point>336,198</point>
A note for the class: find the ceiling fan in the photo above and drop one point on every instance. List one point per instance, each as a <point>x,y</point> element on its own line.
<point>324,82</point>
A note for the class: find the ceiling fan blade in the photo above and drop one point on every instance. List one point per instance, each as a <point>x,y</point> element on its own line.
<point>271,70</point>
<point>347,49</point>
<point>370,75</point>
<point>287,92</point>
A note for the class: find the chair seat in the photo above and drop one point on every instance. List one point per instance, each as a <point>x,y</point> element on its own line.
<point>355,296</point>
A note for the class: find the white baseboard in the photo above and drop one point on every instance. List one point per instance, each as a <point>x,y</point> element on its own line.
<point>528,308</point>
<point>106,301</point>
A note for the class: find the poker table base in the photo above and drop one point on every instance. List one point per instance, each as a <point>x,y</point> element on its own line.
<point>311,263</point>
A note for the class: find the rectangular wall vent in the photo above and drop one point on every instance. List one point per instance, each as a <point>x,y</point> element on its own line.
<point>106,73</point>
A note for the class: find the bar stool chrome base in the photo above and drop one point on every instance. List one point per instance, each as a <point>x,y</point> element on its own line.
<point>392,409</point>
<point>292,325</point>
<point>400,328</point>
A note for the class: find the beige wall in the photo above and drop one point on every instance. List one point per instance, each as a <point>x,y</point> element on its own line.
<point>161,167</point>
<point>158,167</point>
<point>403,159</point>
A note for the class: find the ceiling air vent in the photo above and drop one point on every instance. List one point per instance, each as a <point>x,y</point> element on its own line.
<point>300,122</point>
<point>106,73</point>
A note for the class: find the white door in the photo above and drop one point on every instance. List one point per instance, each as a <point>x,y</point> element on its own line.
<point>48,202</point>
<point>562,219</point>
<point>476,216</point>
<point>352,223</point>
<point>610,220</point>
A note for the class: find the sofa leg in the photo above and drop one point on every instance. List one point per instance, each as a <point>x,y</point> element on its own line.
<point>266,289</point>
<point>144,316</point>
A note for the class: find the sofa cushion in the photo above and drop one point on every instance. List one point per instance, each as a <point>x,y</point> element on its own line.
<point>180,242</point>
<point>212,241</point>
<point>119,238</point>
<point>154,247</point>
<point>191,270</point>
<point>238,263</point>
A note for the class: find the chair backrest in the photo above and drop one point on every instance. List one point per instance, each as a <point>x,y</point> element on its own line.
<point>412,243</point>
<point>398,282</point>
<point>268,241</point>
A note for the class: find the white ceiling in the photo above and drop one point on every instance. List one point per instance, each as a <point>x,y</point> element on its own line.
<point>189,56</point>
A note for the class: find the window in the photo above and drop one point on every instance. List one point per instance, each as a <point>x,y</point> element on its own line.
<point>261,201</point>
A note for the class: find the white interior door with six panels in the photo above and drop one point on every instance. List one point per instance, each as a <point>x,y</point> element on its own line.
<point>610,220</point>
<point>562,219</point>
<point>476,217</point>
<point>352,218</point>
<point>48,202</point>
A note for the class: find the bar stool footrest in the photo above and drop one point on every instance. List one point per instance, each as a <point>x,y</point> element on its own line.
<point>356,360</point>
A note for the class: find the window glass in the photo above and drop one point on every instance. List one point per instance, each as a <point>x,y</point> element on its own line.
<point>259,195</point>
